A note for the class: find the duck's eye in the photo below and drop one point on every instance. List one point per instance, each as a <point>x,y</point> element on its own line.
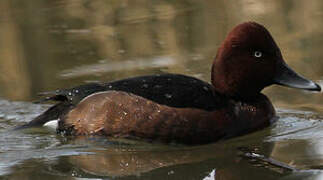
<point>257,54</point>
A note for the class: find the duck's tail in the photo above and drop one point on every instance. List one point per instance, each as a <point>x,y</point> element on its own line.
<point>66,98</point>
<point>53,113</point>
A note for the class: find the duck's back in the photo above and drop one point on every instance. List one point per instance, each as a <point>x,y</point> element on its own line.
<point>173,90</point>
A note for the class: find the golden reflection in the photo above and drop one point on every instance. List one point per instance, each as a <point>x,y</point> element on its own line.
<point>125,162</point>
<point>135,158</point>
<point>14,76</point>
<point>301,154</point>
<point>135,161</point>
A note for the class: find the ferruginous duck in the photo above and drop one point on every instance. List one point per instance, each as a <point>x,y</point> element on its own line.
<point>179,108</point>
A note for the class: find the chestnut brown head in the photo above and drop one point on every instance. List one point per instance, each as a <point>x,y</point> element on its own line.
<point>249,60</point>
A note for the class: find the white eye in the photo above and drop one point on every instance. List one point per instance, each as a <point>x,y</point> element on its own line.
<point>257,54</point>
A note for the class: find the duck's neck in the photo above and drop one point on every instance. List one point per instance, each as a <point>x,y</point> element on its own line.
<point>251,115</point>
<point>243,97</point>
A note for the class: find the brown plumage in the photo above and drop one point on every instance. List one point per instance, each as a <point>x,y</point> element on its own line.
<point>121,114</point>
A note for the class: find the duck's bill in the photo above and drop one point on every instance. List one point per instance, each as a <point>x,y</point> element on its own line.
<point>287,77</point>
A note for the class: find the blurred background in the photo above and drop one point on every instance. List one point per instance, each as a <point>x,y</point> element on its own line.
<point>47,45</point>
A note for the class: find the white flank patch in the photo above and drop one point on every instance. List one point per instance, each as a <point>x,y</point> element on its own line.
<point>51,124</point>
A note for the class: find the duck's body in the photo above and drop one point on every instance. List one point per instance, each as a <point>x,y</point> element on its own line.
<point>183,109</point>
<point>189,112</point>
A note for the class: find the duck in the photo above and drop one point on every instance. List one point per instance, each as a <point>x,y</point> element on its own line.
<point>175,108</point>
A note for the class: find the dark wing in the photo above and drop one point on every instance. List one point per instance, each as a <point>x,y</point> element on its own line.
<point>168,89</point>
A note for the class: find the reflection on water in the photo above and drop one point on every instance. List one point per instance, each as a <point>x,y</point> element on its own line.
<point>45,45</point>
<point>104,67</point>
<point>302,131</point>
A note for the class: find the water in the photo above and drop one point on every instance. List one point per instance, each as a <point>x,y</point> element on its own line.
<point>47,45</point>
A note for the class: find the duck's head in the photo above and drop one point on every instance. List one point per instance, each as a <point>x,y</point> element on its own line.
<point>249,60</point>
